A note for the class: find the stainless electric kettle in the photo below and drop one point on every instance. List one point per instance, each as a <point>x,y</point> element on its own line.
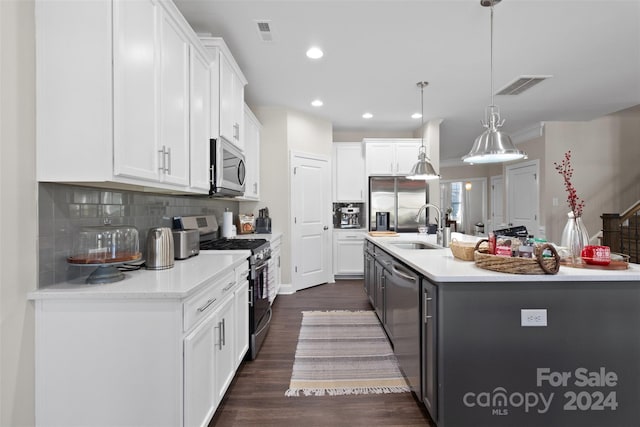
<point>160,252</point>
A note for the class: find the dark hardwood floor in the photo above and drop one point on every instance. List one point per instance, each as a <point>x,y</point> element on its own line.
<point>256,396</point>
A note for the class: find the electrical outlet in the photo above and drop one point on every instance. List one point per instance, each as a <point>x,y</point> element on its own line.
<point>533,317</point>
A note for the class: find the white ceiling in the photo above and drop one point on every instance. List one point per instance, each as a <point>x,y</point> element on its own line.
<point>376,52</point>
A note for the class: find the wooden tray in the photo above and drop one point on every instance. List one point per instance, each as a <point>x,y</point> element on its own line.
<point>382,233</point>
<point>614,265</point>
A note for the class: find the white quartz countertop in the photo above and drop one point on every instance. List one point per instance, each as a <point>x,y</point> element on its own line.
<point>184,279</point>
<point>440,265</point>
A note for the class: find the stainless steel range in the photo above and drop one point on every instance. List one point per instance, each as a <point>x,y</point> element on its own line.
<point>259,306</point>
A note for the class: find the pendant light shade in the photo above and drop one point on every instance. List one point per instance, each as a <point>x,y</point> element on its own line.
<point>423,169</point>
<point>493,146</point>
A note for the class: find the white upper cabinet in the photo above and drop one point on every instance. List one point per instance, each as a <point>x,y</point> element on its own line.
<point>135,91</point>
<point>251,155</point>
<point>391,156</point>
<point>200,120</point>
<point>406,156</point>
<point>228,94</point>
<point>174,101</point>
<point>114,93</point>
<point>348,172</point>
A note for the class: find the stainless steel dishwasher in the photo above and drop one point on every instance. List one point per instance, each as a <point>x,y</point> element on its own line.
<point>403,317</point>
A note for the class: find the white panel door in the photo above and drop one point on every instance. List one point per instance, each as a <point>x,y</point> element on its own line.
<point>200,116</point>
<point>497,201</point>
<point>349,175</point>
<point>380,158</point>
<point>241,332</point>
<point>174,105</point>
<point>311,209</point>
<point>406,156</point>
<point>200,398</point>
<point>225,359</point>
<point>135,89</point>
<point>523,195</point>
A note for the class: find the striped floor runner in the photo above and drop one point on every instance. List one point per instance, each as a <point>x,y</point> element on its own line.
<point>341,353</point>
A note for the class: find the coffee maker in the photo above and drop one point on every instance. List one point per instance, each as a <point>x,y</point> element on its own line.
<point>349,217</point>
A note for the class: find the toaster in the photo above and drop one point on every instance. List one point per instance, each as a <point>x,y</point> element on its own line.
<point>186,243</point>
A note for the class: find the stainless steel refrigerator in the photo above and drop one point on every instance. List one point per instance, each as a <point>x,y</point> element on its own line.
<point>399,196</point>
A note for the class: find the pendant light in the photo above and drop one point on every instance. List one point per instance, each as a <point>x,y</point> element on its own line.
<point>493,146</point>
<point>422,169</point>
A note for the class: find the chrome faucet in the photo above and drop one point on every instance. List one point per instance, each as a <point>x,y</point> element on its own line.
<point>441,234</point>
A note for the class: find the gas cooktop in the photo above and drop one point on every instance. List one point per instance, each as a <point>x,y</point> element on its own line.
<point>224,244</point>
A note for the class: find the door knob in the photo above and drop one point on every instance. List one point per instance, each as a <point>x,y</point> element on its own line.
<point>325,228</point>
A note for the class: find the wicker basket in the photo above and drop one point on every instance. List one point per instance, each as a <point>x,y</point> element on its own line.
<point>502,264</point>
<point>462,250</point>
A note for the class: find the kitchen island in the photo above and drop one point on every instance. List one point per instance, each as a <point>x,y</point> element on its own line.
<point>482,348</point>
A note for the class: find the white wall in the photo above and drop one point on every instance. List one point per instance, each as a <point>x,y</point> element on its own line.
<point>605,153</point>
<point>358,136</point>
<point>18,221</point>
<point>284,131</point>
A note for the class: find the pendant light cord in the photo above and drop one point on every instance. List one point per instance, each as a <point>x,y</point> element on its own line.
<point>422,115</point>
<point>492,103</point>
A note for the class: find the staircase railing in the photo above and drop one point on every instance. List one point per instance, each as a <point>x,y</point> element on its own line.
<point>621,232</point>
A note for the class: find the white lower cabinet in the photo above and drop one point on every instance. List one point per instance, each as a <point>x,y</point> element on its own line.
<point>224,357</point>
<point>200,394</point>
<point>275,268</point>
<point>140,361</point>
<point>348,247</point>
<point>241,300</point>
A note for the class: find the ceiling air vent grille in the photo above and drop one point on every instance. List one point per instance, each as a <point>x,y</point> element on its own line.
<point>521,84</point>
<point>264,30</point>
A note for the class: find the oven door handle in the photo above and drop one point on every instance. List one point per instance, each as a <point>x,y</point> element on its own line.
<point>266,325</point>
<point>255,271</point>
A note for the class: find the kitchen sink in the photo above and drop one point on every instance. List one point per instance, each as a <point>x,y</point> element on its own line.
<point>415,245</point>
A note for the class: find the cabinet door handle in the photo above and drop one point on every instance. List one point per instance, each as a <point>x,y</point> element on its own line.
<point>168,154</point>
<point>229,286</point>
<point>219,328</point>
<point>162,159</point>
<point>206,305</point>
<point>224,335</point>
<point>426,307</point>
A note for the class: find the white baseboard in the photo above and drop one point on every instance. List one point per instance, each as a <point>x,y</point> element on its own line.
<point>286,289</point>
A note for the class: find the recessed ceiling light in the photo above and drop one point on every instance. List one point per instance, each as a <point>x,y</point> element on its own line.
<point>315,53</point>
<point>367,115</point>
<point>416,115</point>
<point>317,103</point>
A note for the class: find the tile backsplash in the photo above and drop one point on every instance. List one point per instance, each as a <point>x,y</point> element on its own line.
<point>64,209</point>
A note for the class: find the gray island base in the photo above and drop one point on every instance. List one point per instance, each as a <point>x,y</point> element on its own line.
<point>501,350</point>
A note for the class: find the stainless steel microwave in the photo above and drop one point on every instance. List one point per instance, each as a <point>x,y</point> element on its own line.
<point>227,169</point>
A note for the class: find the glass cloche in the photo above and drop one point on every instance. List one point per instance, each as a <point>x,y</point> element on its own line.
<point>105,246</point>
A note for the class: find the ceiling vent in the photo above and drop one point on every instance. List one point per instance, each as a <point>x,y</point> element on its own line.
<point>264,30</point>
<point>521,84</point>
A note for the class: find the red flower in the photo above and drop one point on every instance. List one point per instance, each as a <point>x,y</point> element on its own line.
<point>575,203</point>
